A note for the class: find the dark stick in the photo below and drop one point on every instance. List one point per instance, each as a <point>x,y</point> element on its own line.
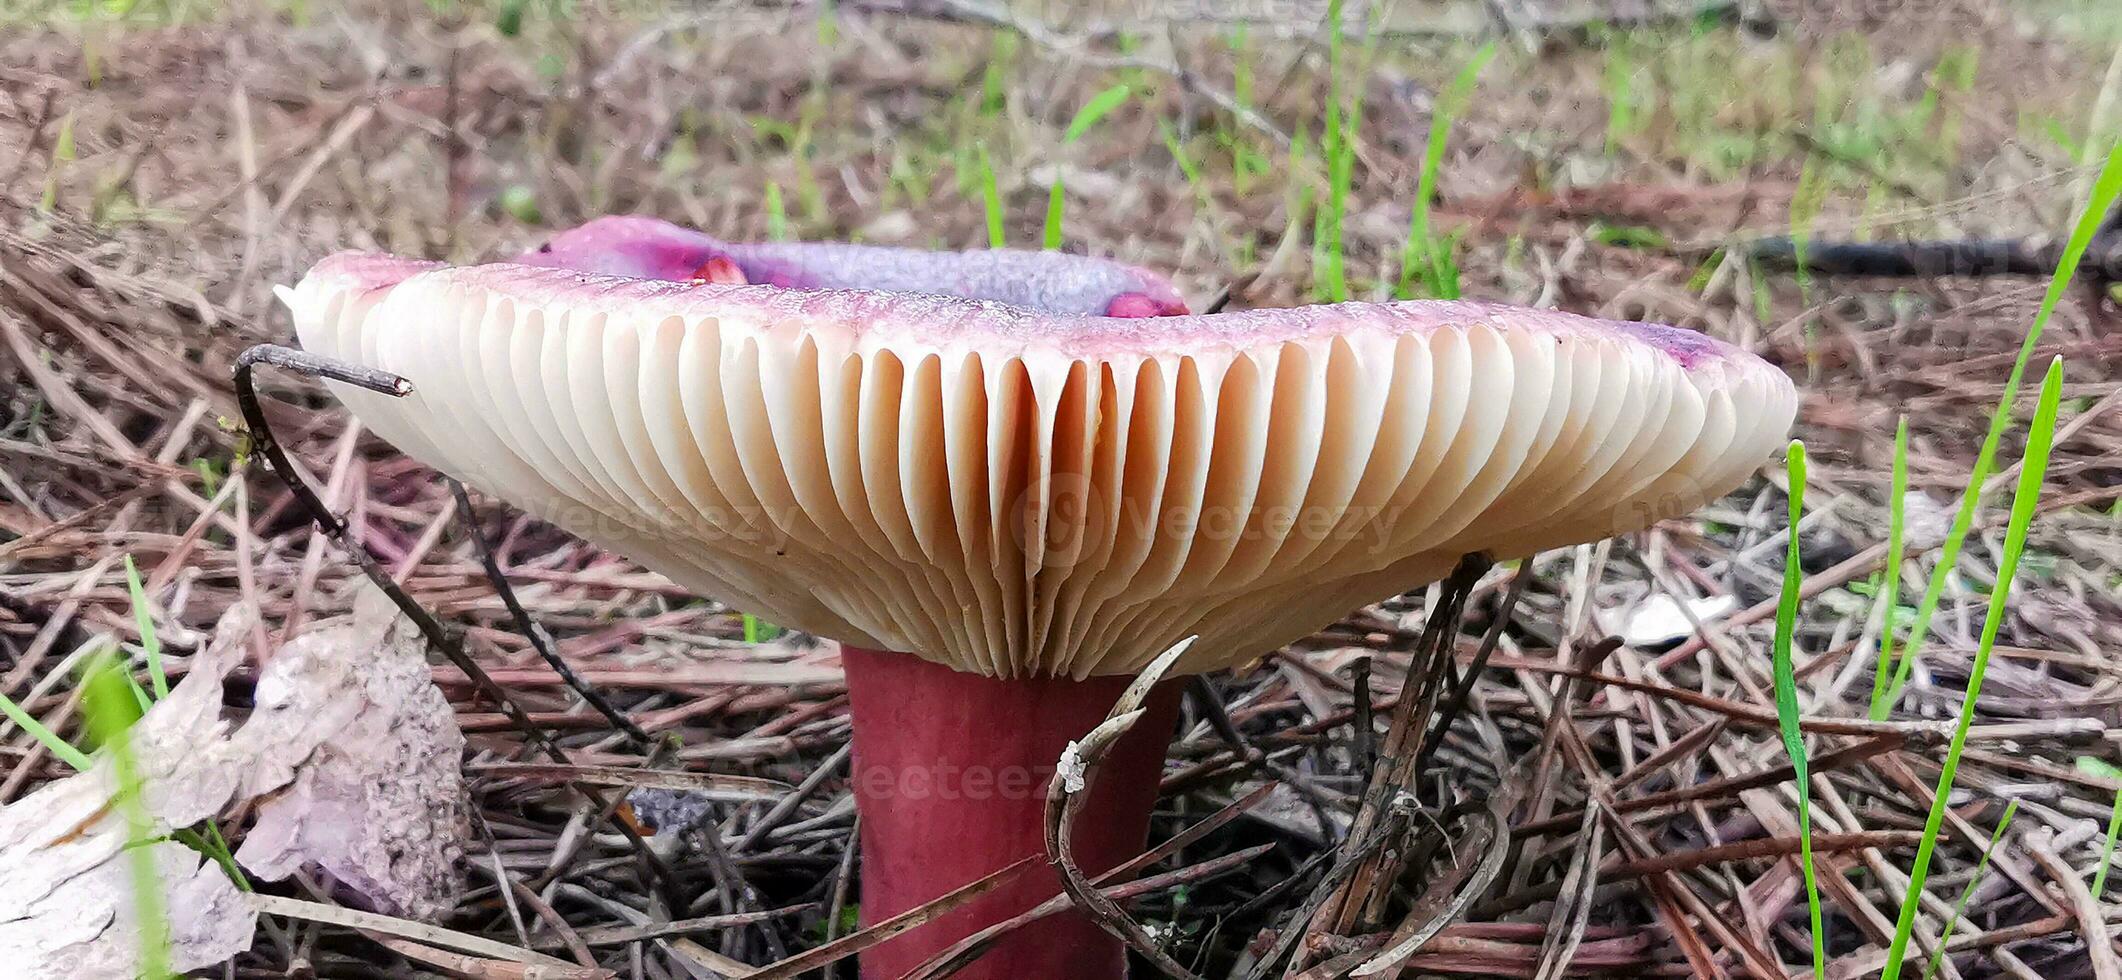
<point>1079,765</point>
<point>262,439</point>
<point>1969,257</point>
<point>1202,692</point>
<point>1465,686</point>
<point>1366,745</point>
<point>306,363</point>
<point>1353,854</point>
<point>383,382</point>
<point>1229,292</point>
<point>1362,898</point>
<point>788,805</point>
<point>539,641</point>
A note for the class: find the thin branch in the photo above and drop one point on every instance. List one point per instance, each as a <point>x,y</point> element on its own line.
<point>385,383</point>
<point>539,639</point>
<point>1071,787</point>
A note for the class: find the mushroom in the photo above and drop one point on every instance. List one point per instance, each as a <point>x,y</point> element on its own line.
<point>1003,512</point>
<point>646,248</point>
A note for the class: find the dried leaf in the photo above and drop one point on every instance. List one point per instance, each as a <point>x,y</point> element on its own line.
<point>351,752</point>
<point>379,802</point>
<point>83,926</point>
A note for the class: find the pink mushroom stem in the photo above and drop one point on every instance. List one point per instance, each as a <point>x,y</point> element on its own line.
<point>951,773</point>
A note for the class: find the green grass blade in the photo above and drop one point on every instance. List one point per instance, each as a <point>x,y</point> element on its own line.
<point>145,621</point>
<point>776,213</point>
<point>1329,270</point>
<point>57,746</point>
<point>991,198</point>
<point>1937,956</point>
<point>1094,110</point>
<point>828,23</point>
<point>994,79</point>
<point>62,154</point>
<point>1890,588</point>
<point>1055,203</point>
<point>1086,117</point>
<point>508,18</point>
<point>2105,191</point>
<point>1620,84</point>
<point>1421,242</point>
<point>105,704</point>
<point>757,630</point>
<point>2033,472</point>
<point>215,847</point>
<point>2114,822</point>
<point>1787,709</point>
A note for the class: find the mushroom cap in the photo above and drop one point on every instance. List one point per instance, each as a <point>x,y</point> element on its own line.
<point>1014,492</point>
<point>648,248</point>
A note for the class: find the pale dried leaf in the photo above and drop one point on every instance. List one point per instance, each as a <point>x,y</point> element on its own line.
<point>379,802</point>
<point>351,752</point>
<point>84,927</point>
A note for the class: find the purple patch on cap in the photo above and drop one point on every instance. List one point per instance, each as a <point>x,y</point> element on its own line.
<point>646,248</point>
<point>1688,347</point>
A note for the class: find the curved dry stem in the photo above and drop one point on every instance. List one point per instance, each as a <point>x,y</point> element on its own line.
<point>386,383</point>
<point>1065,795</point>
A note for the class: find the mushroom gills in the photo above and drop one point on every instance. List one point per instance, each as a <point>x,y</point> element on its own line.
<point>876,470</point>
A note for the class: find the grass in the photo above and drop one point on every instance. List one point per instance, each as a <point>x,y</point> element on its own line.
<point>144,620</point>
<point>108,707</point>
<point>2105,192</point>
<point>520,202</point>
<point>2033,472</point>
<point>508,18</point>
<point>1246,160</point>
<point>61,155</point>
<point>828,23</point>
<point>1339,135</point>
<point>1937,956</point>
<point>1951,80</point>
<point>1624,98</point>
<point>1721,107</point>
<point>1427,259</point>
<point>58,747</point>
<point>1337,145</point>
<point>991,201</point>
<point>1806,203</point>
<point>776,214</point>
<point>1086,117</point>
<point>797,140</point>
<point>1627,236</point>
<point>1890,586</point>
<point>994,77</point>
<point>2106,770</point>
<point>757,630</point>
<point>1196,180</point>
<point>1787,708</point>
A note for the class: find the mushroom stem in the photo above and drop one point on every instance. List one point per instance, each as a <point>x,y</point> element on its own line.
<point>951,771</point>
